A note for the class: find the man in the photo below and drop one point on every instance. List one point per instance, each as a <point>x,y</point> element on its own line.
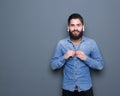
<point>77,54</point>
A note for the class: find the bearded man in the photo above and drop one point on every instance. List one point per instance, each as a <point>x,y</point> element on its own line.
<point>77,54</point>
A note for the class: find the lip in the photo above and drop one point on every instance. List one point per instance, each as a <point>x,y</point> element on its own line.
<point>76,31</point>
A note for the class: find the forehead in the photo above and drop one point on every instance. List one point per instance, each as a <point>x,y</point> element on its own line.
<point>72,21</point>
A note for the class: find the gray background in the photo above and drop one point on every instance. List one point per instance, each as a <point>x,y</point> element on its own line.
<point>29,32</point>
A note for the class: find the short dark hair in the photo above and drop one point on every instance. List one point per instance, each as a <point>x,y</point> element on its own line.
<point>75,16</point>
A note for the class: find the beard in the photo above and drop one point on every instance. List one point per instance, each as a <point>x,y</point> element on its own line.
<point>73,37</point>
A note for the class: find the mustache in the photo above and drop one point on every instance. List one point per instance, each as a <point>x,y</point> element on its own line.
<point>72,36</point>
<point>75,31</point>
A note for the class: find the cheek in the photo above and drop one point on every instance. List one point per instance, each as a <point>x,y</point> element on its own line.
<point>80,29</point>
<point>71,29</point>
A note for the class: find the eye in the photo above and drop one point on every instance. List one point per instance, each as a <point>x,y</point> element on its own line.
<point>78,25</point>
<point>72,25</point>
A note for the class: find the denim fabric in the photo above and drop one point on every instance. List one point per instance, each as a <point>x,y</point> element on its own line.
<point>76,71</point>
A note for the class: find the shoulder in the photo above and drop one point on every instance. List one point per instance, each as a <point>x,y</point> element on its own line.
<point>90,42</point>
<point>88,39</point>
<point>63,41</point>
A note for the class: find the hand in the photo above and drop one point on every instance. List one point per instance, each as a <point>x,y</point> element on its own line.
<point>69,53</point>
<point>81,55</point>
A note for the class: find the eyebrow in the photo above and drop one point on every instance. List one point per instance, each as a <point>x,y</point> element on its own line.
<point>76,24</point>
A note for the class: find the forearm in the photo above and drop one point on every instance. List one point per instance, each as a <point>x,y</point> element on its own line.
<point>57,62</point>
<point>94,63</point>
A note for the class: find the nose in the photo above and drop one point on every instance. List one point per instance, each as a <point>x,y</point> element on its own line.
<point>75,28</point>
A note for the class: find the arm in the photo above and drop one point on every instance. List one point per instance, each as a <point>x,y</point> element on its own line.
<point>58,60</point>
<point>95,60</point>
<point>60,57</point>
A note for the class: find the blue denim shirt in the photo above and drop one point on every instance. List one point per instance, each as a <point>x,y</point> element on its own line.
<point>76,71</point>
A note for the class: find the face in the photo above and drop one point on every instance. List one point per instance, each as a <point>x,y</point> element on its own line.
<point>75,29</point>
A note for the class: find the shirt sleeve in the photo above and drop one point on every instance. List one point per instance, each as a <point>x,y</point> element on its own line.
<point>58,60</point>
<point>95,60</point>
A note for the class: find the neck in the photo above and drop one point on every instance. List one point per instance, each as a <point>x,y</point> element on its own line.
<point>76,41</point>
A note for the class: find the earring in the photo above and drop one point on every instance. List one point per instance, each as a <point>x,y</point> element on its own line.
<point>83,28</point>
<point>68,30</point>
